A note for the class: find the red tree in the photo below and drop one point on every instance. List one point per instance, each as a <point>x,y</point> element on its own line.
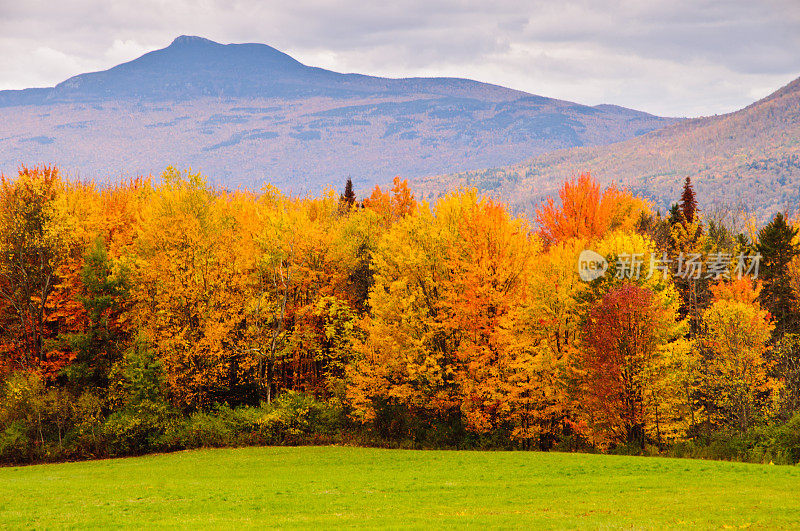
<point>622,336</point>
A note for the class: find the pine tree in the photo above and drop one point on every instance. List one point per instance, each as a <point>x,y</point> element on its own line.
<point>775,244</point>
<point>688,201</point>
<point>675,215</point>
<point>348,198</point>
<point>687,238</point>
<point>96,345</point>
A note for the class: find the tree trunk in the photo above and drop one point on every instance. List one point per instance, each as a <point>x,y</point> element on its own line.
<point>269,381</point>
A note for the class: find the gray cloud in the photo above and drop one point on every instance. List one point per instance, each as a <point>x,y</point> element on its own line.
<point>669,57</point>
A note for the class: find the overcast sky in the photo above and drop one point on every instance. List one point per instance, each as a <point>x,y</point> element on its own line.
<point>667,57</point>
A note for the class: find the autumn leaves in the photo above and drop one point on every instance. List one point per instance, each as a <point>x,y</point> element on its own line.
<point>409,316</point>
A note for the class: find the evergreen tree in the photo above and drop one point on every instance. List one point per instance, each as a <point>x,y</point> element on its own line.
<point>675,215</point>
<point>97,347</point>
<point>348,198</point>
<point>775,244</point>
<point>687,238</point>
<point>141,374</point>
<point>688,201</point>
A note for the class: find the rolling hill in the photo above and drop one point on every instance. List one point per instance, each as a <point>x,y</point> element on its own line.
<point>748,158</point>
<point>245,113</point>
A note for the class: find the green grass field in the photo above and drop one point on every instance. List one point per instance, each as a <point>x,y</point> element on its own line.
<point>342,486</point>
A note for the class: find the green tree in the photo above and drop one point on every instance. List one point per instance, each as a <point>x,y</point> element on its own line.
<point>141,374</point>
<point>98,346</point>
<point>786,368</point>
<point>775,244</point>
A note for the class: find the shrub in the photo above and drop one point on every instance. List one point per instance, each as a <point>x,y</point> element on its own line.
<point>203,429</point>
<point>222,426</point>
<point>88,418</point>
<point>294,416</point>
<point>139,429</point>
<point>22,417</point>
<point>15,442</point>
<point>783,443</point>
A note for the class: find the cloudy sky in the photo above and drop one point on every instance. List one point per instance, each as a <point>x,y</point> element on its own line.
<point>668,57</point>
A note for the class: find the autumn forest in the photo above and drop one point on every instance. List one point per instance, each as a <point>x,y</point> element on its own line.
<point>164,313</point>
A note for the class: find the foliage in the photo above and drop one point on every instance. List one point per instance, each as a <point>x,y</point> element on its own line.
<point>688,203</point>
<point>587,213</point>
<point>626,338</point>
<point>348,199</point>
<point>96,344</point>
<point>736,337</point>
<point>167,314</point>
<point>434,351</point>
<point>32,248</point>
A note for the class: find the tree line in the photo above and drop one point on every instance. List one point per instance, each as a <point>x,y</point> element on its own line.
<point>166,314</point>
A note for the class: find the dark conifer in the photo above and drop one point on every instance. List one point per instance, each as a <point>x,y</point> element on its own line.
<point>348,198</point>
<point>675,214</point>
<point>775,244</point>
<point>688,201</point>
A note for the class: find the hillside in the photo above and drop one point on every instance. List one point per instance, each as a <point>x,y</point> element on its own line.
<point>245,113</point>
<point>750,157</point>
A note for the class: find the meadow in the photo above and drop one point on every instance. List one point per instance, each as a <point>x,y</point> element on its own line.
<point>344,487</point>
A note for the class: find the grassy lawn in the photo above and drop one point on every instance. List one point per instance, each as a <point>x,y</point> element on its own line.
<point>338,486</point>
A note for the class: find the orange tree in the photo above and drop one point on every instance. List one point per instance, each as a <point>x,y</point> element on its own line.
<point>586,212</point>
<point>32,249</point>
<point>453,335</point>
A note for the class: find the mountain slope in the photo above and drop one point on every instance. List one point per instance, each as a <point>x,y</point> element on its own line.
<point>245,113</point>
<point>194,67</point>
<point>750,157</point>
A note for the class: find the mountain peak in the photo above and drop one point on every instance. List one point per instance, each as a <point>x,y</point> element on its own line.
<point>192,40</point>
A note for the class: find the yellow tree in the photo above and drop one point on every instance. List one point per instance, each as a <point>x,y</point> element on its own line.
<point>409,357</point>
<point>297,292</point>
<point>736,334</point>
<point>190,287</point>
<point>557,293</point>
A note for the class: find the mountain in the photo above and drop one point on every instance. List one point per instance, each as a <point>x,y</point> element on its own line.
<point>749,158</point>
<point>194,67</point>
<point>245,113</point>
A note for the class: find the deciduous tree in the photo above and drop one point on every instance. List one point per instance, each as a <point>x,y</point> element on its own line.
<point>32,248</point>
<point>736,334</point>
<point>586,212</point>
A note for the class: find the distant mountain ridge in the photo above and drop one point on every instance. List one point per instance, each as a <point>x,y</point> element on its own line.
<point>246,113</point>
<point>194,67</point>
<point>749,158</point>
